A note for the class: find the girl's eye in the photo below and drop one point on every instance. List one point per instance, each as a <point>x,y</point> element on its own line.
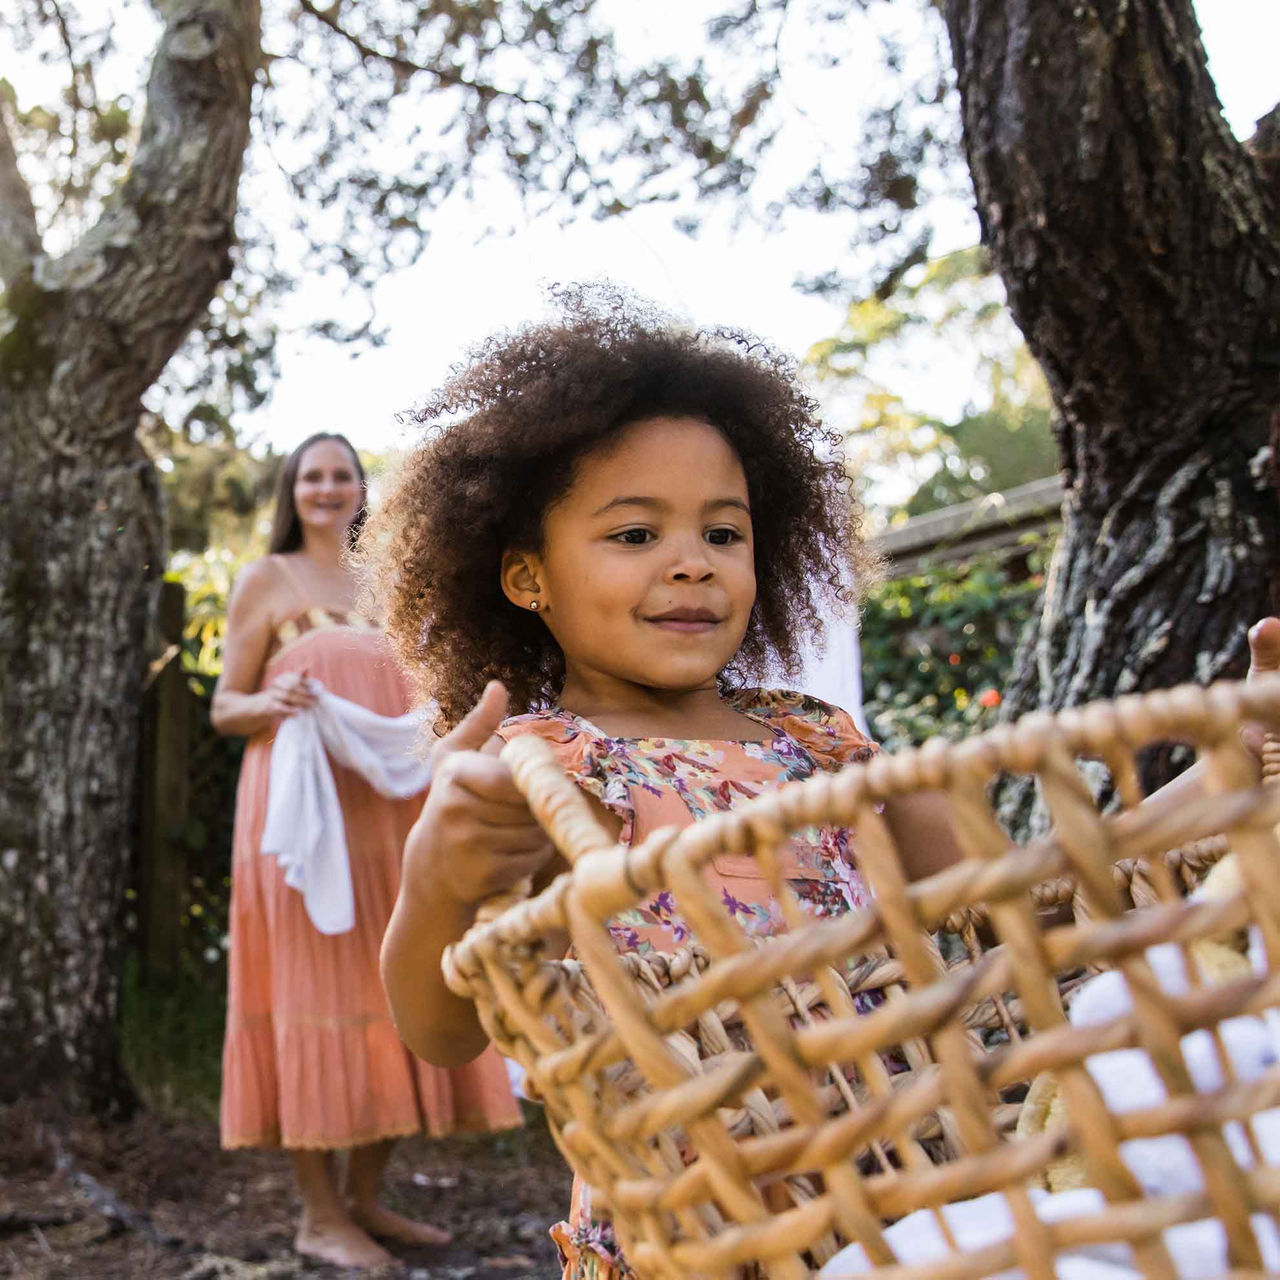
<point>723,537</point>
<point>633,537</point>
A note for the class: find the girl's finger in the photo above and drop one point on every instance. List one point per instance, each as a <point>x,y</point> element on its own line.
<point>479,724</point>
<point>517,867</point>
<point>1264,647</point>
<point>463,807</point>
<point>508,842</point>
<point>488,779</point>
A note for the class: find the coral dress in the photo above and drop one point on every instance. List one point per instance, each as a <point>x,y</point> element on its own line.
<point>311,1057</point>
<point>665,782</point>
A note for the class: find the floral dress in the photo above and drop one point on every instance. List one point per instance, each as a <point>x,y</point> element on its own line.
<point>663,782</point>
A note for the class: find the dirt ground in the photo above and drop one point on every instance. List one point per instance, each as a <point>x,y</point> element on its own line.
<point>156,1198</point>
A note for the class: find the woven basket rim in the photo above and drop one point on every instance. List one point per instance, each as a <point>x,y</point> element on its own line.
<point>1193,714</point>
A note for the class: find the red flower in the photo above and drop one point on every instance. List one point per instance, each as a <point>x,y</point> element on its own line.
<point>989,698</point>
<point>954,659</point>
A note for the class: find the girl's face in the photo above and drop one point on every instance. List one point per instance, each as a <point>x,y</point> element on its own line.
<point>327,492</point>
<point>647,574</point>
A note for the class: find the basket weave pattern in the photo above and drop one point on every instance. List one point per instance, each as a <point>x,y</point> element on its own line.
<point>730,1107</point>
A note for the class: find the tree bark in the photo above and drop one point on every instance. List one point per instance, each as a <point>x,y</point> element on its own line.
<point>81,547</point>
<point>1138,245</point>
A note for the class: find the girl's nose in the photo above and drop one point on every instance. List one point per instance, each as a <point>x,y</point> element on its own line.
<point>691,565</point>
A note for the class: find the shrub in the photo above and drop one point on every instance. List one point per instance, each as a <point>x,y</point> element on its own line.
<point>937,646</point>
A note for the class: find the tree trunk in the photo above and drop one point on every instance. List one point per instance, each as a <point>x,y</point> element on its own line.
<point>1138,246</point>
<point>81,339</point>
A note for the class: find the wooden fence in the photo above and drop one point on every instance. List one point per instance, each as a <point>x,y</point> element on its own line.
<point>187,780</point>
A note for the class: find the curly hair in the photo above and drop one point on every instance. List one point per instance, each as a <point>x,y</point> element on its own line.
<point>502,441</point>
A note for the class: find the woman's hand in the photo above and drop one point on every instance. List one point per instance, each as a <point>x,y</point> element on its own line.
<point>286,695</point>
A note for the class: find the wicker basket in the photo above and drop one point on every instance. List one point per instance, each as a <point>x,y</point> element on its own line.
<point>730,1108</point>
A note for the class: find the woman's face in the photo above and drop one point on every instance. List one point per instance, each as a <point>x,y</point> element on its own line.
<point>327,492</point>
<point>647,573</point>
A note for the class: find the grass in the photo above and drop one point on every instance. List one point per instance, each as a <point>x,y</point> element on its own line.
<point>171,1039</point>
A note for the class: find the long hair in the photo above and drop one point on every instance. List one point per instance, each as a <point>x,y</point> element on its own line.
<point>286,528</point>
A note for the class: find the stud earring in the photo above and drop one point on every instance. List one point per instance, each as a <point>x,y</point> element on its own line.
<point>534,605</point>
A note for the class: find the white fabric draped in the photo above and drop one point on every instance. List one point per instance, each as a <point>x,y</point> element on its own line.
<point>1163,1166</point>
<point>304,828</point>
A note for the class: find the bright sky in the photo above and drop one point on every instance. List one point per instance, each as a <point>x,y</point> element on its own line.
<point>744,278</point>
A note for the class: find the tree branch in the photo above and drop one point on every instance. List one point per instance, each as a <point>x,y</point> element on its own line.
<point>408,66</point>
<point>79,72</point>
<point>121,301</point>
<point>19,234</point>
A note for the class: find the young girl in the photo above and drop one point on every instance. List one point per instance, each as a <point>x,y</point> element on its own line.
<point>626,522</point>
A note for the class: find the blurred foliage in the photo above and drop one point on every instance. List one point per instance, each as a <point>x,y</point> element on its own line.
<point>220,505</point>
<point>218,492</point>
<point>937,647</point>
<point>171,1039</point>
<point>369,114</point>
<point>207,579</point>
<point>988,452</point>
<point>922,319</point>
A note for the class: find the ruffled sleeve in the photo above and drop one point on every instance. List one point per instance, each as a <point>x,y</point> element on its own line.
<point>826,732</point>
<point>581,754</point>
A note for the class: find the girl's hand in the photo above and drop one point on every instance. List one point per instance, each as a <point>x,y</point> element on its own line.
<point>286,695</point>
<point>476,836</point>
<point>1264,659</point>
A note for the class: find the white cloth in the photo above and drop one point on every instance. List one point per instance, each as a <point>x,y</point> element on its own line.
<point>516,1078</point>
<point>1128,1080</point>
<point>304,828</point>
<point>1198,1249</point>
<point>1167,1165</point>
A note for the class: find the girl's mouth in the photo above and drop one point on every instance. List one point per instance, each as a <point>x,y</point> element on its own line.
<point>689,621</point>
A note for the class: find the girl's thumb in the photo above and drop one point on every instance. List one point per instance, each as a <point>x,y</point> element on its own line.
<point>482,721</point>
<point>1264,646</point>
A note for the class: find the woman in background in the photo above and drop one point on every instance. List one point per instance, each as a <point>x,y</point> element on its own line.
<point>312,1062</point>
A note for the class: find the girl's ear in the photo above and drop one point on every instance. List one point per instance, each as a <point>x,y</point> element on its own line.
<point>521,580</point>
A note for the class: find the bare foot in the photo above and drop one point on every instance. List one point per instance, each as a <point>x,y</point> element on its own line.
<point>380,1221</point>
<point>343,1244</point>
